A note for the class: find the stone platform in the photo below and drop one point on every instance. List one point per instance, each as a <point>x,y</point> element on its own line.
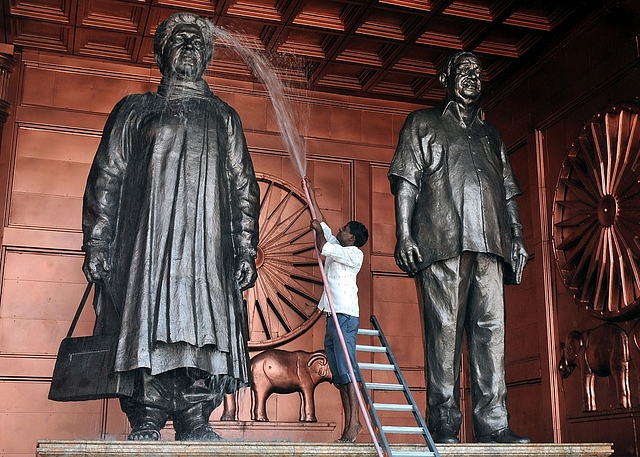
<point>275,449</point>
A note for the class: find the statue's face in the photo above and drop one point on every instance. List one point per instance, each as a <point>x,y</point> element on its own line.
<point>185,53</point>
<point>465,81</point>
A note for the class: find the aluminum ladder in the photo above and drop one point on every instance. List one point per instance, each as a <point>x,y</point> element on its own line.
<point>401,386</point>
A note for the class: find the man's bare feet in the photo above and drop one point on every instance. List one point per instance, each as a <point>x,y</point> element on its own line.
<point>349,436</point>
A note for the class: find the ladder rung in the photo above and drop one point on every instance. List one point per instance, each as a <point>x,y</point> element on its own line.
<point>412,454</point>
<point>410,406</point>
<point>383,386</point>
<point>365,348</point>
<point>392,407</point>
<point>377,366</point>
<point>403,430</point>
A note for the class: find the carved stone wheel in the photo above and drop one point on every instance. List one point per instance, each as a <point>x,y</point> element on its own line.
<point>596,215</point>
<point>282,304</point>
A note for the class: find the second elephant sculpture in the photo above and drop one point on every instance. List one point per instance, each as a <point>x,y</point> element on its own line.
<point>283,372</point>
<point>601,351</point>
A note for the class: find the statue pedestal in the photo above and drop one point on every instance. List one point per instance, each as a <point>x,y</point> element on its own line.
<point>288,432</point>
<point>307,449</point>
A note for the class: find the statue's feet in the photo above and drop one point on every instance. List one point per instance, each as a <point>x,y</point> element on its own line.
<point>445,435</point>
<point>505,436</point>
<point>202,432</point>
<point>144,432</point>
<point>227,416</point>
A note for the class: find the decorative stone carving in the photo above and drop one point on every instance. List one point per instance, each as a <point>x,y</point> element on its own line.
<point>601,351</point>
<point>595,217</point>
<point>284,372</point>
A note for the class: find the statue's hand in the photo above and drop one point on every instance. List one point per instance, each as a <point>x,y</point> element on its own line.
<point>246,273</point>
<point>408,255</point>
<point>519,257</point>
<point>96,264</point>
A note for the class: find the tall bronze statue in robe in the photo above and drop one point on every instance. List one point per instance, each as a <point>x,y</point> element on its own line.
<point>459,234</point>
<point>170,224</point>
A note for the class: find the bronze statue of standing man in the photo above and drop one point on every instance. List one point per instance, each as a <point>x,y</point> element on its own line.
<point>170,234</point>
<point>459,234</point>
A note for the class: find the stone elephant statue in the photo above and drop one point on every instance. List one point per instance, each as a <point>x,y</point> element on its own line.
<point>601,351</point>
<point>283,372</point>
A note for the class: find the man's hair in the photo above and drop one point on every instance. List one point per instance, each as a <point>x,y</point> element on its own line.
<point>165,29</point>
<point>360,233</point>
<point>451,62</point>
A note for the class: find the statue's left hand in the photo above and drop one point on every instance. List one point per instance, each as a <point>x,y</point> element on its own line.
<point>246,273</point>
<point>519,256</point>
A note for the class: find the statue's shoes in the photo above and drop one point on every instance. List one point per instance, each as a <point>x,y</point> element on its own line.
<point>202,432</point>
<point>144,432</point>
<point>445,435</point>
<point>504,436</point>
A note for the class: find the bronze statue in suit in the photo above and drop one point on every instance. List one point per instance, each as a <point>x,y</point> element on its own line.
<point>459,234</point>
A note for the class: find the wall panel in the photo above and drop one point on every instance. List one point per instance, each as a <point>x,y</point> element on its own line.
<point>383,237</point>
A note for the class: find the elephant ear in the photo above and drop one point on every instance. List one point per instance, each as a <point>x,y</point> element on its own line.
<point>319,357</point>
<point>318,363</point>
<point>576,335</point>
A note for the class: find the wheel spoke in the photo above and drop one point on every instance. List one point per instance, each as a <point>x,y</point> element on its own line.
<point>600,289</point>
<point>584,177</point>
<point>578,191</point>
<point>576,237</point>
<point>590,278</point>
<point>598,142</point>
<point>585,260</point>
<point>292,306</point>
<point>631,262</point>
<point>594,169</point>
<point>279,316</point>
<point>621,260</point>
<point>613,291</point>
<point>263,320</point>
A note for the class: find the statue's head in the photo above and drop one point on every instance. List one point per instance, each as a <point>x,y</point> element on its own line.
<point>183,46</point>
<point>462,77</point>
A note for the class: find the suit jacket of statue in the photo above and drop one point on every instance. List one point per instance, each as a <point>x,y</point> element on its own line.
<point>464,180</point>
<point>172,197</point>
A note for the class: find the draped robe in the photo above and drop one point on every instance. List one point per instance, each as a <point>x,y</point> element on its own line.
<point>173,200</point>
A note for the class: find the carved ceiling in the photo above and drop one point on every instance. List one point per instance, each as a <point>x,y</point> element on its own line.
<point>389,49</point>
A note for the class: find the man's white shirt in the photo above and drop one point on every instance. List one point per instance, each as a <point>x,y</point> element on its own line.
<point>341,266</point>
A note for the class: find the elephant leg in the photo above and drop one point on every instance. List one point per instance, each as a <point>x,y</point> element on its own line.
<point>254,403</point>
<point>589,400</point>
<point>260,405</point>
<point>622,384</point>
<point>307,406</point>
<point>229,411</point>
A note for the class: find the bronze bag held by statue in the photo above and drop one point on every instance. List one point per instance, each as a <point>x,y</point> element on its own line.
<point>84,366</point>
